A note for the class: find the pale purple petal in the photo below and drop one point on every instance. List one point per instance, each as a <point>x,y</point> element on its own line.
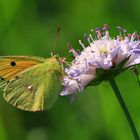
<point>103,53</point>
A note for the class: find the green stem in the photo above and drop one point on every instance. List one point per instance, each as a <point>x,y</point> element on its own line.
<point>124,108</point>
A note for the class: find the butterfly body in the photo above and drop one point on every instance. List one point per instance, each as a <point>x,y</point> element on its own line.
<point>30,83</point>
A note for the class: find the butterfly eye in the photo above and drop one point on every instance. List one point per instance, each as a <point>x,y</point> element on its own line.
<point>13,63</point>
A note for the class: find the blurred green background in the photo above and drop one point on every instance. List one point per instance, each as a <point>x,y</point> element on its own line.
<point>28,27</point>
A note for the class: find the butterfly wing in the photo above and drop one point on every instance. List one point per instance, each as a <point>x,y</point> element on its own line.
<point>11,65</point>
<point>35,88</point>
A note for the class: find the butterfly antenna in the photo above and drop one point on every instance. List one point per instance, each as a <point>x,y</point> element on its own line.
<point>55,41</point>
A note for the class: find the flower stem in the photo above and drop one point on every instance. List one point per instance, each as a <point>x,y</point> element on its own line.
<point>124,108</point>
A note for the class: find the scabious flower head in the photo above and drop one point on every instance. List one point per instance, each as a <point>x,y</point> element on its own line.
<point>104,58</point>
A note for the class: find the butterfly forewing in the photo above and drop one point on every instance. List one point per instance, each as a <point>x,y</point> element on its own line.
<point>11,65</point>
<point>35,88</point>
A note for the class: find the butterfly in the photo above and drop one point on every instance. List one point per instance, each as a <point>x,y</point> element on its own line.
<point>31,83</point>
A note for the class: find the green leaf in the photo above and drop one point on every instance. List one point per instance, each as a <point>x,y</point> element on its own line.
<point>123,62</point>
<point>101,75</point>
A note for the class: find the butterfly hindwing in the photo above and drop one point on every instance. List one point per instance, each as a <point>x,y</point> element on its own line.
<point>35,88</point>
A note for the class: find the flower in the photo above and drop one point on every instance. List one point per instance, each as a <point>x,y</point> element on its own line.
<point>104,58</point>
